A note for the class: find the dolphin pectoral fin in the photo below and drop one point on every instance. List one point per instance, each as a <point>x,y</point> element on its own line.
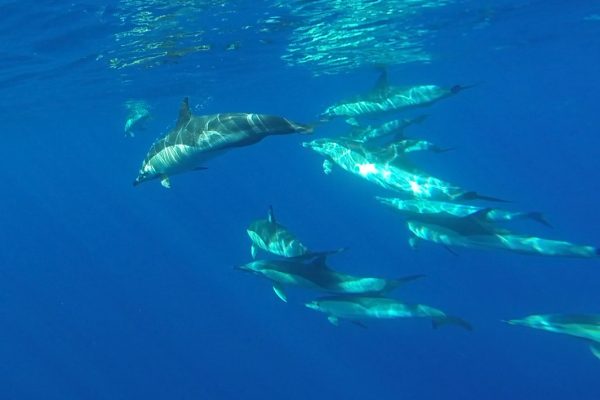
<point>595,348</point>
<point>253,251</point>
<point>362,325</point>
<point>413,242</point>
<point>455,254</point>
<point>539,217</point>
<point>280,292</point>
<point>327,167</point>
<point>271,215</point>
<point>165,182</point>
<point>333,320</point>
<point>352,122</point>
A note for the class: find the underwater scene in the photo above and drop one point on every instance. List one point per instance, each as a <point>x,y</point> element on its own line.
<point>301,199</point>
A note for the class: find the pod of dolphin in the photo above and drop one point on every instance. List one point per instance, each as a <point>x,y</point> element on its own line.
<point>433,209</point>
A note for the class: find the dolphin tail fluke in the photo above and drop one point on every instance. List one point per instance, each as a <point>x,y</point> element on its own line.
<point>539,217</point>
<point>477,196</point>
<point>448,320</point>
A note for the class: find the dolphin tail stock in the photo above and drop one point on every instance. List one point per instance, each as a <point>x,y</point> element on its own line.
<point>539,217</point>
<point>312,255</point>
<point>394,283</point>
<point>436,322</point>
<point>477,196</point>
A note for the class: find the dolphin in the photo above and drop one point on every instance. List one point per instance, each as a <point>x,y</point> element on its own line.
<point>385,99</point>
<point>475,231</point>
<point>317,275</point>
<point>358,308</point>
<point>395,127</point>
<point>138,111</point>
<point>431,209</point>
<point>269,235</point>
<point>387,169</point>
<point>584,326</point>
<point>196,139</point>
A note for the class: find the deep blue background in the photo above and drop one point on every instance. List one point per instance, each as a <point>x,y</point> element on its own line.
<point>114,292</point>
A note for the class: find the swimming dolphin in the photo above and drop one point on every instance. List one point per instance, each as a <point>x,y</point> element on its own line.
<point>475,231</point>
<point>584,326</point>
<point>196,139</point>
<point>271,236</point>
<point>138,111</point>
<point>395,128</point>
<point>384,99</point>
<point>358,308</point>
<point>388,170</point>
<point>317,275</point>
<point>431,209</point>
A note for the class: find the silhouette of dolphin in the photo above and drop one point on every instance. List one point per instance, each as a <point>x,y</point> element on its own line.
<point>196,139</point>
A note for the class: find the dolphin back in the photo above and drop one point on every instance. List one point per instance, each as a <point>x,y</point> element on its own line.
<point>257,123</point>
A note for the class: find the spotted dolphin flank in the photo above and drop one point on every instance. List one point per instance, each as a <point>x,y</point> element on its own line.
<point>384,99</point>
<point>272,237</point>
<point>584,326</point>
<point>359,308</point>
<point>196,139</point>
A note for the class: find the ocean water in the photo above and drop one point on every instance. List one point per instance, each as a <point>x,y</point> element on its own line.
<point>109,291</point>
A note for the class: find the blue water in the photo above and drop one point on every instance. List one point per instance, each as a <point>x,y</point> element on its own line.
<point>113,292</point>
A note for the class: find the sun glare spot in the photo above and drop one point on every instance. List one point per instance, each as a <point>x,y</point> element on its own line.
<point>366,169</point>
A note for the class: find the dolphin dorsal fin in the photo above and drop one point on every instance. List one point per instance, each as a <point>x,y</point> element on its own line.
<point>271,215</point>
<point>382,82</point>
<point>184,113</point>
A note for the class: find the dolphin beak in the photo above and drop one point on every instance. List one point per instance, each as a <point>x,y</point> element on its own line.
<point>312,305</point>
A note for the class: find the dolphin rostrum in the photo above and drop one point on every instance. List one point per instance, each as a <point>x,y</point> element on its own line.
<point>358,308</point>
<point>196,139</point>
<point>584,326</point>
<point>317,275</point>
